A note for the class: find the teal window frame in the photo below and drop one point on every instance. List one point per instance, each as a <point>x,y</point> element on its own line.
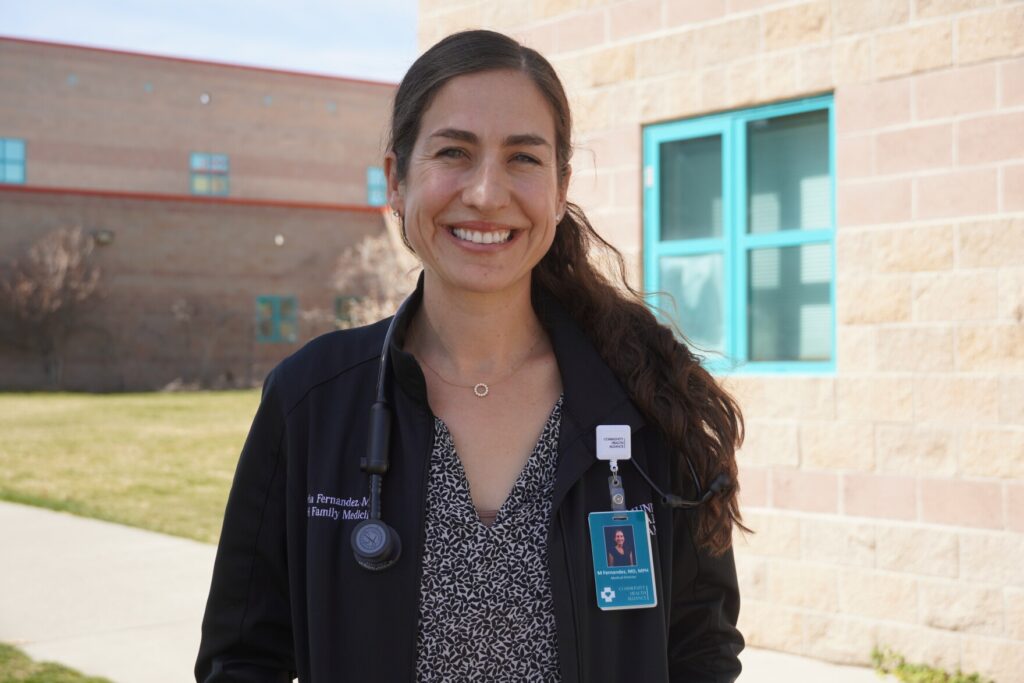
<point>12,161</point>
<point>735,243</point>
<point>211,168</point>
<point>376,186</point>
<point>278,319</point>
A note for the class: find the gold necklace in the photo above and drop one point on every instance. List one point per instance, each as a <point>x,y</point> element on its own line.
<point>481,389</point>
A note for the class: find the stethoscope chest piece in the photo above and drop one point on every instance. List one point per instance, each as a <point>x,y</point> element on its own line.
<point>376,545</point>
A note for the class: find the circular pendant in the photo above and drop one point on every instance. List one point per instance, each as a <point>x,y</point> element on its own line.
<point>481,390</point>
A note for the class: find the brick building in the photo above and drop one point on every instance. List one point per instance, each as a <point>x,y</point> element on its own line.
<point>219,197</point>
<point>833,191</point>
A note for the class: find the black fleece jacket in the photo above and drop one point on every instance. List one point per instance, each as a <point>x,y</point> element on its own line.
<point>288,599</point>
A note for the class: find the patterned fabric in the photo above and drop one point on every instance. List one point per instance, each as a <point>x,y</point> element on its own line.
<point>486,612</point>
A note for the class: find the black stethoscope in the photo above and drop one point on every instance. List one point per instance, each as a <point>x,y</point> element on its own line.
<point>375,544</point>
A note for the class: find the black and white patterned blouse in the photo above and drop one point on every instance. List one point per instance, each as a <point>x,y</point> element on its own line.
<point>486,612</point>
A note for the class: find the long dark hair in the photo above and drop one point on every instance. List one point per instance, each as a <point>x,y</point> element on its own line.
<point>661,375</point>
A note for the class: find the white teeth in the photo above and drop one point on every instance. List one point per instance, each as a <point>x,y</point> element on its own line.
<point>493,237</point>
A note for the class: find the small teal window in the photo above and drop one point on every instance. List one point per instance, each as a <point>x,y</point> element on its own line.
<point>209,173</point>
<point>12,161</point>
<point>277,319</point>
<point>376,186</point>
<point>343,307</point>
<point>739,233</point>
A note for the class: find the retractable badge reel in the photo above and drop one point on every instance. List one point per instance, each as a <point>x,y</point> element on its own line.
<point>620,539</point>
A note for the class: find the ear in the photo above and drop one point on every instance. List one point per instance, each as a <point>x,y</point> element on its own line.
<point>396,188</point>
<point>563,190</point>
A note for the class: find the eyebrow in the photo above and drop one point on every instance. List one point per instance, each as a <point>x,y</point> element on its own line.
<point>518,140</point>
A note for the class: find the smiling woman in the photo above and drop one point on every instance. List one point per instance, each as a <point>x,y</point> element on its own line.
<point>500,368</point>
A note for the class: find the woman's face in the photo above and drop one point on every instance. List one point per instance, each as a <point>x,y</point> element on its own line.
<point>620,538</point>
<point>482,194</point>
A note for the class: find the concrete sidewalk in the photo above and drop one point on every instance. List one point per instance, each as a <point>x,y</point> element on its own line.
<point>123,603</point>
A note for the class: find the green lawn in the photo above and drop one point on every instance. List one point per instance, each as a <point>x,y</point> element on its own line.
<point>17,667</point>
<point>160,461</point>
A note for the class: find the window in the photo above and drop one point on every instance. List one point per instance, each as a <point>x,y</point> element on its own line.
<point>12,161</point>
<point>276,319</point>
<point>739,225</point>
<point>209,173</point>
<point>376,186</point>
<point>343,308</point>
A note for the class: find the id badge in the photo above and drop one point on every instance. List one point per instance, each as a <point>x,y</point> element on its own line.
<point>623,565</point>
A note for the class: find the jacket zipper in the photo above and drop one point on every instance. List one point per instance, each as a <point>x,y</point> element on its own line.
<point>572,596</point>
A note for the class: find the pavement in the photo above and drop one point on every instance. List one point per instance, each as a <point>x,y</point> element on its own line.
<point>124,603</point>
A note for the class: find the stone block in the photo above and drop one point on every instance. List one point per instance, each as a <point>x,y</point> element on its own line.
<point>865,106</point>
<point>936,8</point>
<point>875,201</point>
<point>769,443</point>
<point>953,92</point>
<point>634,18</point>
<point>992,557</point>
<point>917,550</point>
<point>991,243</point>
<point>998,348</point>
<point>838,541</point>
<point>881,595</point>
<point>920,644</point>
<point>915,449</point>
<point>778,76</point>
<point>962,503</point>
<point>880,495</point>
<point>669,98</point>
<point>742,80</point>
<point>753,486</point>
<point>546,9</point>
<point>838,638</point>
<point>764,396</point>
<point>998,659</point>
<point>990,35</point>
<point>805,491</point>
<point>686,13</point>
<point>1011,82</point>
<point>775,535</point>
<point>956,296</point>
<point>869,15</point>
<point>913,249</point>
<point>671,54</point>
<point>873,299</point>
<point>798,584</point>
<point>855,157</point>
<point>852,61</point>
<point>815,69</point>
<point>907,51</point>
<point>817,397</point>
<point>958,606</point>
<point>993,452</point>
<point>1013,599</point>
<point>875,398</point>
<point>985,139</point>
<point>952,400</point>
<point>1012,198</point>
<point>724,42</point>
<point>613,65</point>
<point>914,149</point>
<point>855,348</point>
<point>752,574</point>
<point>590,189</point>
<point>837,445</point>
<point>580,30</point>
<point>956,193</point>
<point>915,349</point>
<point>795,26</point>
<point>1011,294</point>
<point>1015,507</point>
<point>771,626</point>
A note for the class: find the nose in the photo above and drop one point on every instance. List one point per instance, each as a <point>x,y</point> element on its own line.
<point>486,187</point>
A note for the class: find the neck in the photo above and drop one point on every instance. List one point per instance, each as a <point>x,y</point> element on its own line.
<point>474,336</point>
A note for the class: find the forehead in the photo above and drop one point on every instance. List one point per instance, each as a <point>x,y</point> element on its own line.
<point>490,103</point>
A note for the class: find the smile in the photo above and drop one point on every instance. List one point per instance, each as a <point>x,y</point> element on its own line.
<point>489,237</point>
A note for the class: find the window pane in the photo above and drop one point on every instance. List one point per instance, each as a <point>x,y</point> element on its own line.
<point>200,183</point>
<point>691,188</point>
<point>14,150</point>
<point>790,315</point>
<point>288,308</point>
<point>13,173</point>
<point>199,161</point>
<point>788,173</point>
<point>219,163</point>
<point>218,184</point>
<point>695,285</point>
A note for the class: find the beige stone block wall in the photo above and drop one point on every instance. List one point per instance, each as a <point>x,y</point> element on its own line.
<point>888,498</point>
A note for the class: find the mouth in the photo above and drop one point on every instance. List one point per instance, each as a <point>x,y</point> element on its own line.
<point>482,236</point>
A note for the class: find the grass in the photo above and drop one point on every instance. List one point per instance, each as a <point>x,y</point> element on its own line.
<point>158,461</point>
<point>886,661</point>
<point>17,667</point>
